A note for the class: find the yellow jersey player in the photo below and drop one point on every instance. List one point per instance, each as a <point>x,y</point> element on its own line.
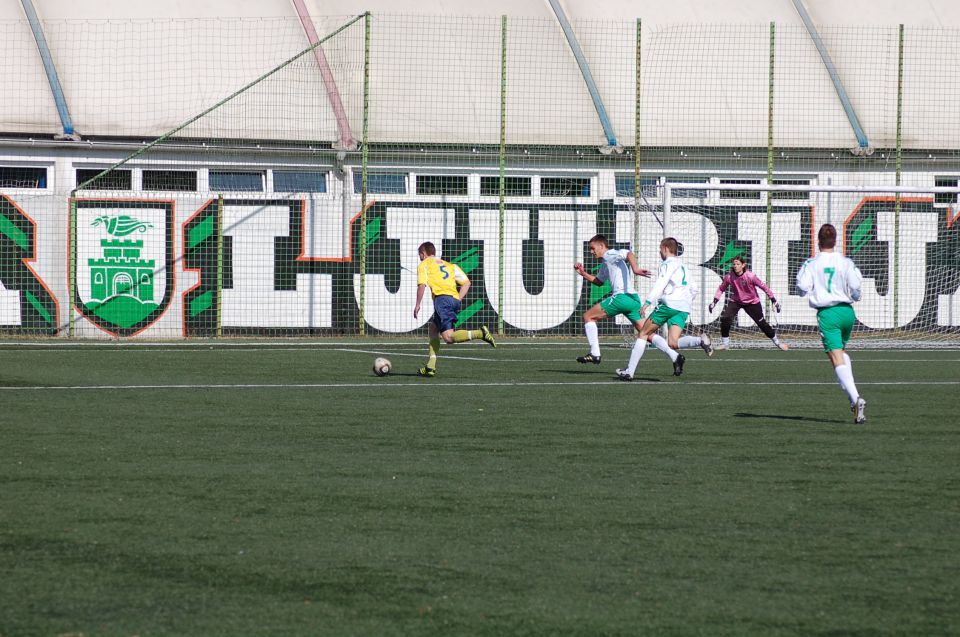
<point>449,286</point>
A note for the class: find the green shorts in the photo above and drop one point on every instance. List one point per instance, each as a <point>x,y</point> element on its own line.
<point>669,316</point>
<point>835,325</point>
<point>626,304</point>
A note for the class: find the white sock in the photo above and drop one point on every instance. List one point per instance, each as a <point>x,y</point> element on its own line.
<point>661,344</point>
<point>845,378</point>
<point>846,359</point>
<point>688,342</point>
<point>635,355</point>
<point>590,329</point>
<point>726,341</point>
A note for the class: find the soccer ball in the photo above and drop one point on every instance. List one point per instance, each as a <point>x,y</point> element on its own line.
<point>381,366</point>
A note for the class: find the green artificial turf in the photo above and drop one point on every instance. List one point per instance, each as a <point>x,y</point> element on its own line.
<point>285,490</point>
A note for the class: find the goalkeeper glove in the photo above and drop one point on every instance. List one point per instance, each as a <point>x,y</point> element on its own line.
<point>776,305</point>
<point>711,306</point>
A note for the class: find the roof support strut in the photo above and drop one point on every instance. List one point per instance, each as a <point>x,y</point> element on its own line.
<point>864,144</point>
<point>51,69</point>
<point>612,145</point>
<point>347,142</point>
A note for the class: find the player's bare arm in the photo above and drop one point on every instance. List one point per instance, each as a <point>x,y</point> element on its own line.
<point>632,260</point>
<point>464,288</point>
<point>420,290</point>
<point>582,271</point>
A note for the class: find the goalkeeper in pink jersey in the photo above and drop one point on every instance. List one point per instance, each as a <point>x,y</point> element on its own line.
<point>743,284</point>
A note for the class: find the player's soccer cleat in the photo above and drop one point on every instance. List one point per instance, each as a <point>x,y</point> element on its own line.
<point>859,410</point>
<point>427,371</point>
<point>783,346</point>
<point>487,336</point>
<point>589,358</point>
<point>678,365</point>
<point>719,347</point>
<point>623,375</point>
<point>706,343</point>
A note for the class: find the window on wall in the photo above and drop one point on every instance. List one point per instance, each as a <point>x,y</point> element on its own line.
<point>381,183</point>
<point>177,180</point>
<point>17,177</point>
<point>441,184</point>
<point>564,186</point>
<point>740,194</point>
<point>113,180</point>
<point>626,185</point>
<point>688,193</point>
<point>795,195</point>
<point>236,180</point>
<point>945,197</point>
<point>512,186</point>
<point>299,181</point>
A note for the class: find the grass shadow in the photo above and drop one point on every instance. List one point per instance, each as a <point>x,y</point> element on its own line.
<point>599,372</point>
<point>831,421</point>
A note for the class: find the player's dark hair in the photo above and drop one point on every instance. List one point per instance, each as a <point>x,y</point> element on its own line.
<point>427,248</point>
<point>827,237</point>
<point>601,239</point>
<point>671,245</point>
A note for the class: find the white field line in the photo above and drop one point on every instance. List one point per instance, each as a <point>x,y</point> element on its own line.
<point>420,351</point>
<point>430,384</point>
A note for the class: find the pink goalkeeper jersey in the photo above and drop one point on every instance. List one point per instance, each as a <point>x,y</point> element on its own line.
<point>744,288</point>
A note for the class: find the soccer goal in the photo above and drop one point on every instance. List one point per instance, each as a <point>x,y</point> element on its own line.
<point>904,239</point>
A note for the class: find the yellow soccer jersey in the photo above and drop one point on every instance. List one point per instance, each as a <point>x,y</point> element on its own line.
<point>442,277</point>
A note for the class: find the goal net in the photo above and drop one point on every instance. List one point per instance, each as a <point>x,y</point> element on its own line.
<point>900,237</point>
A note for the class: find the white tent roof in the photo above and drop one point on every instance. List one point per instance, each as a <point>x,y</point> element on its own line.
<point>139,68</point>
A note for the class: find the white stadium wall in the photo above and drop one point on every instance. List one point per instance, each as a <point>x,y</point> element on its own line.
<point>310,242</point>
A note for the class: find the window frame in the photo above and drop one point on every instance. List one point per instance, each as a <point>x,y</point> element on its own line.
<point>441,176</point>
<point>358,182</point>
<point>506,186</point>
<point>323,174</point>
<point>95,186</point>
<point>42,184</point>
<point>588,180</point>
<point>239,171</point>
<point>946,198</point>
<point>145,171</point>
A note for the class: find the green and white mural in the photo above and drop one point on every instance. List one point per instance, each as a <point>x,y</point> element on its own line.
<point>192,266</point>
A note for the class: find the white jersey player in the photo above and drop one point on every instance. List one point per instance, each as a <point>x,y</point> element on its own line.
<point>831,282</point>
<point>617,271</point>
<point>672,294</point>
<point>617,268</point>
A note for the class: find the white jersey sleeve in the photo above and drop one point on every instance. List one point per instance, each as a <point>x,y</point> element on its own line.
<point>829,279</point>
<point>672,287</point>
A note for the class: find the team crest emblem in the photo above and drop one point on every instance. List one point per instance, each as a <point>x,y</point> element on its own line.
<point>124,270</point>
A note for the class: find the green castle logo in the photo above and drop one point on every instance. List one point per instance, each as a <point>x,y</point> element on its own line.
<point>122,296</point>
<point>120,272</point>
